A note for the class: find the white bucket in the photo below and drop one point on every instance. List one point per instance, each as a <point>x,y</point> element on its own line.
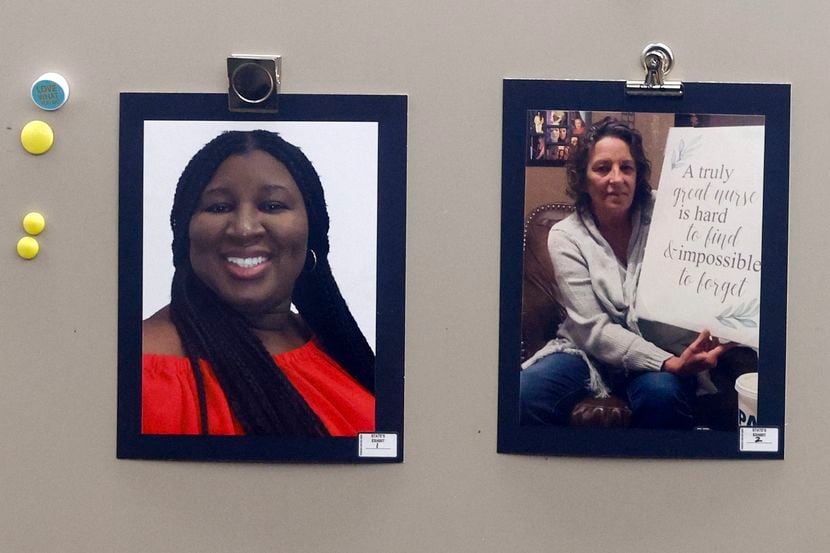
<point>747,387</point>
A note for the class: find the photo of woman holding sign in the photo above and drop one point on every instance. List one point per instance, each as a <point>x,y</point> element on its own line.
<point>230,355</point>
<point>601,346</point>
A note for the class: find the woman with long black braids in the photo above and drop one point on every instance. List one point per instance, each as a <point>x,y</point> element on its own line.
<point>229,355</point>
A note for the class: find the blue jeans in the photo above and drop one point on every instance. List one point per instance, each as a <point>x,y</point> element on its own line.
<point>552,386</point>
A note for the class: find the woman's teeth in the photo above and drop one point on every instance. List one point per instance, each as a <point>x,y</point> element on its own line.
<point>246,262</point>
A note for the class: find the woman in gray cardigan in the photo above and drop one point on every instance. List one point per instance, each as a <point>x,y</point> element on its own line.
<point>597,253</point>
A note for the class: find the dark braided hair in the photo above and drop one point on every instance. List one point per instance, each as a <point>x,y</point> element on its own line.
<point>577,167</point>
<point>259,394</point>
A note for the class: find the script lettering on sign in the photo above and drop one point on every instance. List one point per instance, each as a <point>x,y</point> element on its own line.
<point>702,264</point>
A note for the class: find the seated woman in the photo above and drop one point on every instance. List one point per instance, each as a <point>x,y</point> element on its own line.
<point>229,355</point>
<point>597,253</point>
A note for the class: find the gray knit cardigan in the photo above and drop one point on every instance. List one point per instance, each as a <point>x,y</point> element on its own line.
<point>598,294</point>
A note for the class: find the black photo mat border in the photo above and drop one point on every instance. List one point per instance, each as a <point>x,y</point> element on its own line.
<point>390,113</point>
<point>770,100</point>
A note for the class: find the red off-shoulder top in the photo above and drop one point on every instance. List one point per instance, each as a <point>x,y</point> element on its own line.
<point>170,405</point>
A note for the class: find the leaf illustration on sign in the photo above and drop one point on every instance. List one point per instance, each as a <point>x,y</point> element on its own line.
<point>740,315</point>
<point>683,152</point>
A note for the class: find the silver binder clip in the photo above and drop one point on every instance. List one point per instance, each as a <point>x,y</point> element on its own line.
<point>254,83</point>
<point>657,60</point>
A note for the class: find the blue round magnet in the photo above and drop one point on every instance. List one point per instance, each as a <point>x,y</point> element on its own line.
<point>50,91</point>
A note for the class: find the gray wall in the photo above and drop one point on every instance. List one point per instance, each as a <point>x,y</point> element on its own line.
<point>61,488</point>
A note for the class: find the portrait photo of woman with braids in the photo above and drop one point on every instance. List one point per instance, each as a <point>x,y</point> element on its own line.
<point>257,338</point>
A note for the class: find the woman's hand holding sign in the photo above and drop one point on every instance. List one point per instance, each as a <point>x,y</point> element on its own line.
<point>701,355</point>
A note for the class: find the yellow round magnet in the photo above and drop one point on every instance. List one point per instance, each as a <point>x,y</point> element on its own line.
<point>34,223</point>
<point>37,137</point>
<point>27,247</point>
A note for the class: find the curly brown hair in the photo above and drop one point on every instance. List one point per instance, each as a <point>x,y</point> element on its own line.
<point>577,167</point>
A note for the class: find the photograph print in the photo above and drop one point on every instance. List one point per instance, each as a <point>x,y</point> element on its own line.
<point>252,320</point>
<point>635,320</point>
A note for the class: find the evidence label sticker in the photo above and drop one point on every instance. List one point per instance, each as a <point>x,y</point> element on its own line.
<point>377,444</point>
<point>758,439</point>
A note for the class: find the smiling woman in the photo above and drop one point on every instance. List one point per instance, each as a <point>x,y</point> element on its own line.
<point>602,346</point>
<point>249,233</point>
<point>229,355</point>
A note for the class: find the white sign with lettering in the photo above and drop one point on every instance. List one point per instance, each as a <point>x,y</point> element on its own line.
<point>702,264</point>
